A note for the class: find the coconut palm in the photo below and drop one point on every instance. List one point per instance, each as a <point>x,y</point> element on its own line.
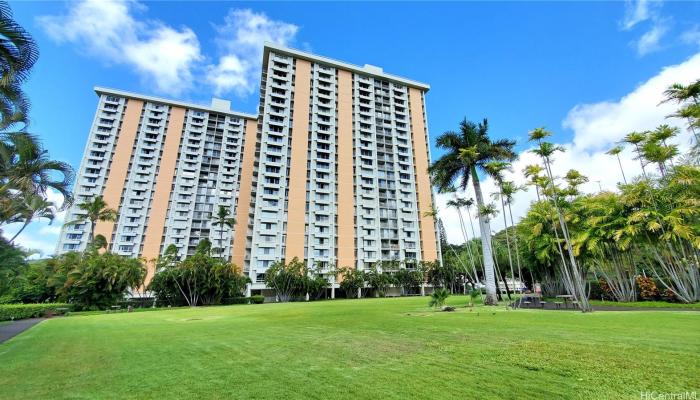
<point>25,167</point>
<point>615,151</point>
<point>35,207</point>
<point>223,219</point>
<point>18,53</point>
<point>467,151</point>
<point>95,210</point>
<point>573,276</point>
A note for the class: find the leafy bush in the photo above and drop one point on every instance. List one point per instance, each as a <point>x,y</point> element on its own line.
<point>438,298</point>
<point>647,288</point>
<point>10,312</point>
<point>351,281</point>
<point>235,300</point>
<point>257,299</point>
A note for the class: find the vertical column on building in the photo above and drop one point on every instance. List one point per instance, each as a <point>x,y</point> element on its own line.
<point>345,166</point>
<point>119,166</point>
<point>157,217</point>
<point>428,240</point>
<point>296,210</point>
<point>243,208</point>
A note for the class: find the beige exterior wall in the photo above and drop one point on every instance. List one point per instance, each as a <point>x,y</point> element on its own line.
<point>119,167</point>
<point>243,210</point>
<point>159,205</point>
<point>423,187</point>
<point>346,179</point>
<point>296,210</point>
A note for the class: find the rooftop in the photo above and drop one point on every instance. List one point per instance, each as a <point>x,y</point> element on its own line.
<point>217,105</point>
<point>366,69</point>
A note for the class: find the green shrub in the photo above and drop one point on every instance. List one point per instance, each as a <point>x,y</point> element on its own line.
<point>10,312</point>
<point>257,299</point>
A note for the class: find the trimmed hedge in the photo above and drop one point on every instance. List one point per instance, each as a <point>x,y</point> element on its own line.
<point>257,299</point>
<point>9,312</point>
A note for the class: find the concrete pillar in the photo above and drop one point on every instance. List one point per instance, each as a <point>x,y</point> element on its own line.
<point>332,291</point>
<point>422,289</point>
<point>359,293</point>
<point>247,289</point>
<point>307,297</point>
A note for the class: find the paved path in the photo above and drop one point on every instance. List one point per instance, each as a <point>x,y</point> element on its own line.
<point>8,331</point>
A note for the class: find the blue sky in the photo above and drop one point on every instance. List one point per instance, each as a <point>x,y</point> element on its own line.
<point>588,71</point>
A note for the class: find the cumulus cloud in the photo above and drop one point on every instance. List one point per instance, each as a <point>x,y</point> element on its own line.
<point>168,57</point>
<point>240,40</point>
<point>596,128</point>
<point>111,31</point>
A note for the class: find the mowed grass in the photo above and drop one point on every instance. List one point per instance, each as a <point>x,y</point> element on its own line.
<point>369,348</point>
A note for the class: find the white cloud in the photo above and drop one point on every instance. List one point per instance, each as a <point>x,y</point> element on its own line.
<point>596,127</point>
<point>168,57</point>
<point>691,36</point>
<point>639,11</point>
<point>240,40</point>
<point>650,41</point>
<point>162,55</point>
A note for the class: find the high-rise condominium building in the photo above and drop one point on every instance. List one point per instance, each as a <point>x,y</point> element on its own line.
<point>332,170</point>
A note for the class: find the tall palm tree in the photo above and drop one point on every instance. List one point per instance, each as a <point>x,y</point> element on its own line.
<point>615,151</point>
<point>95,210</point>
<point>223,218</point>
<point>572,274</point>
<point>25,167</point>
<point>35,207</point>
<point>532,172</point>
<point>18,53</point>
<point>636,139</point>
<point>496,170</point>
<point>508,191</point>
<point>457,203</point>
<point>467,151</point>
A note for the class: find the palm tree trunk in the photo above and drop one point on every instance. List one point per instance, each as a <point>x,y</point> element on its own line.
<point>621,169</point>
<point>26,222</point>
<point>485,228</point>
<point>466,240</point>
<point>505,224</point>
<point>517,249</point>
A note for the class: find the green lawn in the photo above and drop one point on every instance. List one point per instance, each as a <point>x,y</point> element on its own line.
<point>370,348</point>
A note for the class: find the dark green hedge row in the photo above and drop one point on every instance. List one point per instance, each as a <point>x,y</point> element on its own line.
<point>10,312</point>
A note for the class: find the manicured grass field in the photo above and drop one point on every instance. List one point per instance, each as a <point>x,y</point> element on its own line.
<point>647,304</point>
<point>370,348</point>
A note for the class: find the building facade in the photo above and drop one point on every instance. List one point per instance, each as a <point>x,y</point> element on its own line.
<point>332,170</point>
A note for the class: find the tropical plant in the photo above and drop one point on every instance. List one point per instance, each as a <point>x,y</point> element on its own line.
<point>438,297</point>
<point>572,274</point>
<point>18,54</point>
<point>223,218</point>
<point>93,211</point>
<point>468,151</point>
<point>615,151</point>
<point>288,280</point>
<point>34,207</point>
<point>352,281</point>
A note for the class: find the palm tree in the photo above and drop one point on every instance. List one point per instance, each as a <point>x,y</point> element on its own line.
<point>26,168</point>
<point>438,297</point>
<point>467,151</point>
<point>615,151</point>
<point>573,276</point>
<point>35,207</point>
<point>508,191</point>
<point>496,169</point>
<point>95,210</point>
<point>660,154</point>
<point>223,218</point>
<point>680,93</point>
<point>636,139</point>
<point>18,53</point>
<point>533,172</point>
<point>457,203</point>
